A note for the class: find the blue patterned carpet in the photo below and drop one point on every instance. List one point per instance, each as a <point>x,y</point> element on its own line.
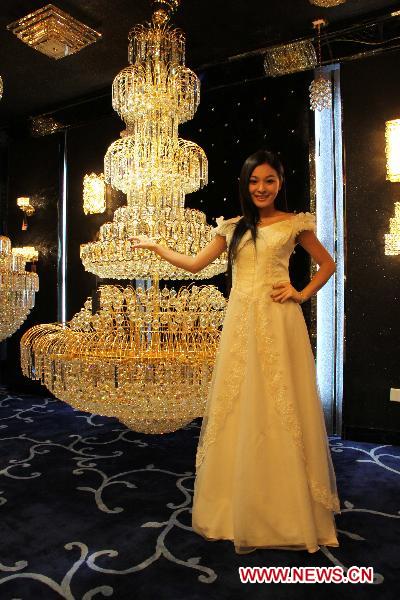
<point>90,509</point>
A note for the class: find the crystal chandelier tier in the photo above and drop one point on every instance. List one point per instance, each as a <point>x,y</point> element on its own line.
<point>17,289</point>
<point>111,256</point>
<point>153,96</point>
<point>145,356</point>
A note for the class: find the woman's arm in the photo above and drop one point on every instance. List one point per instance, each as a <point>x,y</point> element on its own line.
<point>309,241</point>
<point>193,264</point>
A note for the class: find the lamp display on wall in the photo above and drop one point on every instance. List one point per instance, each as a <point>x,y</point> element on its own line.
<point>392,138</point>
<point>321,87</point>
<point>42,125</point>
<point>28,253</point>
<point>1,87</point>
<point>25,205</point>
<point>144,356</point>
<point>94,194</point>
<point>17,289</point>
<point>392,239</point>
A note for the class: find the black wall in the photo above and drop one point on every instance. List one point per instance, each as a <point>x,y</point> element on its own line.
<point>371,96</point>
<point>32,169</point>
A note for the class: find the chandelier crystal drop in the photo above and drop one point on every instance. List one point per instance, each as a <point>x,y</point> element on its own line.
<point>94,194</point>
<point>17,289</point>
<point>145,356</point>
<point>392,239</point>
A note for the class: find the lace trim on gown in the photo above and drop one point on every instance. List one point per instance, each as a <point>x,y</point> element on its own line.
<point>225,227</point>
<point>214,419</point>
<point>269,359</point>
<point>304,221</point>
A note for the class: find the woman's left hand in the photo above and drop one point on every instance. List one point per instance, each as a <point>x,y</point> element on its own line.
<point>283,290</point>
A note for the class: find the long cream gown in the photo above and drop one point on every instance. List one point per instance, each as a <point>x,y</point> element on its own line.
<point>264,473</point>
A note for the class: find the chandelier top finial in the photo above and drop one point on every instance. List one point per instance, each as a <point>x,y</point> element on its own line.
<point>163,10</point>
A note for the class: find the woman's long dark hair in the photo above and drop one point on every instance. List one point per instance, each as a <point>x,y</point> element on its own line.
<point>250,213</point>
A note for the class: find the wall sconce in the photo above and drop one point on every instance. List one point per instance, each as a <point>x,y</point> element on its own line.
<point>94,194</point>
<point>25,205</point>
<point>392,239</point>
<point>28,253</point>
<point>392,137</point>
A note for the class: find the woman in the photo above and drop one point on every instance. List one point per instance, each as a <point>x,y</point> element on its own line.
<point>264,474</point>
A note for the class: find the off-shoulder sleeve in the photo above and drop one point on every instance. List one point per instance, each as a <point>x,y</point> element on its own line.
<point>304,221</point>
<point>224,227</point>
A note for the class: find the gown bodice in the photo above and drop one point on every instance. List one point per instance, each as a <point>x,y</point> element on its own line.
<point>258,266</point>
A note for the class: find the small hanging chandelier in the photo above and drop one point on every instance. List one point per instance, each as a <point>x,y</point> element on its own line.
<point>17,289</point>
<point>327,3</point>
<point>24,203</point>
<point>293,57</point>
<point>321,86</point>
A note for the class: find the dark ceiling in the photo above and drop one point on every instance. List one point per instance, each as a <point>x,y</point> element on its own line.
<point>215,30</point>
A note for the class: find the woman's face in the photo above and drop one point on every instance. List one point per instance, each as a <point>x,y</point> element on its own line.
<point>264,185</point>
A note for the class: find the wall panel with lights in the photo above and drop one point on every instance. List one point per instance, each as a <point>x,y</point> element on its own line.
<point>371,93</point>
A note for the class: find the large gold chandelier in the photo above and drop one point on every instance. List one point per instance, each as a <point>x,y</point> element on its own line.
<point>142,355</point>
<point>17,289</point>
